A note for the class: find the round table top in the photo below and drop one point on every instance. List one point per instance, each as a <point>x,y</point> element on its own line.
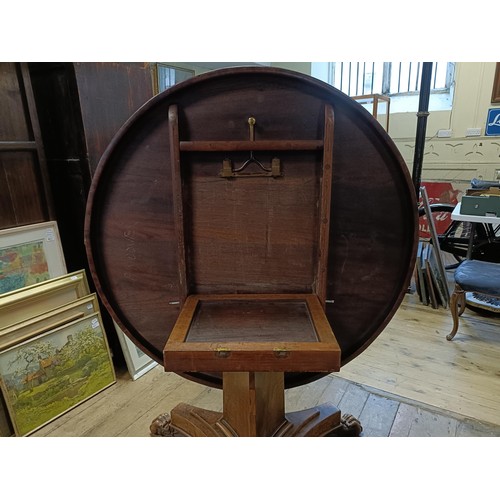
<point>132,223</point>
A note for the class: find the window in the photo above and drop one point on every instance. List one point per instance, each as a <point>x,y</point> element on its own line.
<point>167,76</point>
<point>389,78</point>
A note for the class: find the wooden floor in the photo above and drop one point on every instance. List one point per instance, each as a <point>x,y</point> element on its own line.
<point>413,359</point>
<point>410,382</point>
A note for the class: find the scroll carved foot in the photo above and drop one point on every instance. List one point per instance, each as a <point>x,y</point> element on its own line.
<point>161,426</point>
<point>349,427</point>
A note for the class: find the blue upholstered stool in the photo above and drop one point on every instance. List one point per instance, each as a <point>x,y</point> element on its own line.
<point>473,276</point>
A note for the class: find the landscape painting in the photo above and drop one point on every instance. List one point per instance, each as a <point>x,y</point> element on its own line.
<point>48,375</point>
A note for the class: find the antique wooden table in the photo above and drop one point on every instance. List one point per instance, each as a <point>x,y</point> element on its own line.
<point>252,229</point>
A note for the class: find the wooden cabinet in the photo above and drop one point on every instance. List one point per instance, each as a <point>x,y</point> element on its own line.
<point>80,107</point>
<point>26,193</point>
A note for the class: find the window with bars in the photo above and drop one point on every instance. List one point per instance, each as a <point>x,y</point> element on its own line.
<point>389,78</point>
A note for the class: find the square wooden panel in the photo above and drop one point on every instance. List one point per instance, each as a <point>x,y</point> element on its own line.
<point>252,332</point>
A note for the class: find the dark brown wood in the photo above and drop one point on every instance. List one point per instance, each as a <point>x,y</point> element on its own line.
<point>326,190</point>
<point>109,93</point>
<point>252,235</point>
<point>17,145</point>
<point>175,159</point>
<point>260,145</point>
<point>26,193</point>
<point>43,173</point>
<point>81,106</point>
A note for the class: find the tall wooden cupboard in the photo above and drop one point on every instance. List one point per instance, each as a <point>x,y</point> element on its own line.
<point>56,121</point>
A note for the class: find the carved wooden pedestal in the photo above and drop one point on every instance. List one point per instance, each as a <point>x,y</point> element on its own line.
<point>254,406</point>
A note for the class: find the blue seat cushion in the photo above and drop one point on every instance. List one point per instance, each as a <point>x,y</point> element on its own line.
<point>479,276</point>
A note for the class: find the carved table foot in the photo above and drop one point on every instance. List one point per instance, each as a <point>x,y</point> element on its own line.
<point>349,427</point>
<point>161,427</point>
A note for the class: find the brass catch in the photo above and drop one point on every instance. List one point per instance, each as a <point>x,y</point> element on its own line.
<point>281,352</point>
<point>222,352</point>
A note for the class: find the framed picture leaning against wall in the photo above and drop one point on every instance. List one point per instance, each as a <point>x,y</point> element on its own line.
<point>29,255</point>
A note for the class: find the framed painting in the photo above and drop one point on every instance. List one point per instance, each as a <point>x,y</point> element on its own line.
<point>29,255</point>
<point>138,362</point>
<point>48,375</point>
<point>495,95</point>
<point>31,327</point>
<point>20,305</point>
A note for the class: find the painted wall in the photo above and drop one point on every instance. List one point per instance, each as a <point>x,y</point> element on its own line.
<point>458,157</point>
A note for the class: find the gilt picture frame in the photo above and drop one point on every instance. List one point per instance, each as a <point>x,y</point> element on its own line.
<point>46,376</point>
<point>20,305</point>
<point>29,255</point>
<point>36,325</point>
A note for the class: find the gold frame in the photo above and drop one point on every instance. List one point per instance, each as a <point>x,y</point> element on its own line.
<point>42,411</point>
<point>20,305</point>
<point>50,320</point>
<point>45,232</point>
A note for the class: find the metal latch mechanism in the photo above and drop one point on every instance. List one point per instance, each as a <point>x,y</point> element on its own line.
<point>229,172</point>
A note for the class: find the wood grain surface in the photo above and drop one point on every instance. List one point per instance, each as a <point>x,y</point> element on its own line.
<point>253,234</point>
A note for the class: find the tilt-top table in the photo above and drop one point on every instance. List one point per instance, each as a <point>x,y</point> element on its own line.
<point>252,229</point>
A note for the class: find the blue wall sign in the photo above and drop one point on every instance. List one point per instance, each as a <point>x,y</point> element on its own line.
<point>493,122</point>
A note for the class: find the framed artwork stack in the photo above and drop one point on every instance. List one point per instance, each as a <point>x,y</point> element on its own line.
<point>54,352</point>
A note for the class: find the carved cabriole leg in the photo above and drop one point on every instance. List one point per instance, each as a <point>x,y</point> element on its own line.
<point>457,306</point>
<point>462,302</point>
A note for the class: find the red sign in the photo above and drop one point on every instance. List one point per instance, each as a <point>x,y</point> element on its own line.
<point>438,192</point>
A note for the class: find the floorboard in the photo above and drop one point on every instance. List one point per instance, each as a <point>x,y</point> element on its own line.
<point>412,358</point>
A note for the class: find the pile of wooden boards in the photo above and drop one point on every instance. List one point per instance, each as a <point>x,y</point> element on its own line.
<point>431,286</point>
<point>430,274</point>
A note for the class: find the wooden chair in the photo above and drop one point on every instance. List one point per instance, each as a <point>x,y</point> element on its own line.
<point>473,276</point>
